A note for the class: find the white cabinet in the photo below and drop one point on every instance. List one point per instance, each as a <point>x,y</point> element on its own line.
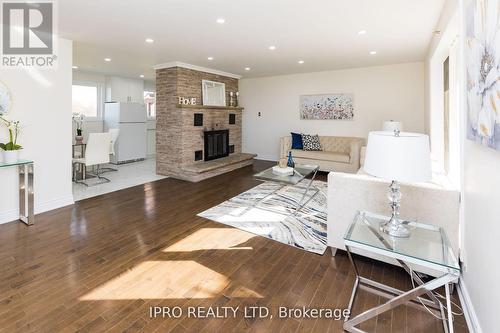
<point>120,89</point>
<point>136,91</point>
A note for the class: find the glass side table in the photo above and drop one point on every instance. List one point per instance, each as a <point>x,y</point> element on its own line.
<point>26,194</point>
<point>428,247</point>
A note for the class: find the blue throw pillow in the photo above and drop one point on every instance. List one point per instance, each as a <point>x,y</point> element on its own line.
<point>297,141</point>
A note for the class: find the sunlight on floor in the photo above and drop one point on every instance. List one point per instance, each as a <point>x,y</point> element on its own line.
<point>167,280</point>
<point>212,239</point>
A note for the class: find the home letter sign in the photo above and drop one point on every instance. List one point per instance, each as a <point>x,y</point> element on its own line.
<point>187,101</point>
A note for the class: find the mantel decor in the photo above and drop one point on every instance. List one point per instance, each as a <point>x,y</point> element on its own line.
<point>483,72</point>
<point>187,101</point>
<point>329,107</point>
<point>214,93</point>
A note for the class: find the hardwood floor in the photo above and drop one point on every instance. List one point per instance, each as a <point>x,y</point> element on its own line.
<point>100,265</point>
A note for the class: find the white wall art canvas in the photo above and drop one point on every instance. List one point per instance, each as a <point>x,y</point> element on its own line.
<point>5,99</point>
<point>331,106</point>
<point>483,72</point>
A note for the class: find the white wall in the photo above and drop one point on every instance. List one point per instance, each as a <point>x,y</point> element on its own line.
<point>380,93</point>
<point>42,102</point>
<point>479,178</point>
<point>482,232</point>
<point>481,223</point>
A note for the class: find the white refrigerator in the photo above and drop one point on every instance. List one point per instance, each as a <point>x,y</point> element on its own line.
<point>130,119</point>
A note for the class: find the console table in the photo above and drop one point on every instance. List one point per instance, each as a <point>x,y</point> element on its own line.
<point>427,247</point>
<point>26,194</point>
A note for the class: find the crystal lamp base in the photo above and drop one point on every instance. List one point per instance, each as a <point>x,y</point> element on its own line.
<point>395,228</point>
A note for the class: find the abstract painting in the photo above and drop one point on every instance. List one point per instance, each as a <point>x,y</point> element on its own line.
<point>332,106</point>
<point>483,72</point>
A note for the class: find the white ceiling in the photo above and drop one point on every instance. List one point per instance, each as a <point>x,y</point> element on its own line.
<point>323,33</point>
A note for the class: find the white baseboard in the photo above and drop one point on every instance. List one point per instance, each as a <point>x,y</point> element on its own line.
<point>13,214</point>
<point>9,216</point>
<point>468,308</point>
<point>54,204</point>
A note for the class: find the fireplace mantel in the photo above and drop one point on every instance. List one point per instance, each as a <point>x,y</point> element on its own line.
<point>194,107</point>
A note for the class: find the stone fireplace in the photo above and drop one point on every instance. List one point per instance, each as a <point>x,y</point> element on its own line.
<point>195,142</point>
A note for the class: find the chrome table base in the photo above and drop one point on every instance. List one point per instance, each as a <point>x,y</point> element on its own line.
<point>26,194</point>
<point>397,297</point>
<point>303,201</point>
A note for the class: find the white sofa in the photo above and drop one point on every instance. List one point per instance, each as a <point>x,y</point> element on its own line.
<point>426,203</point>
<point>341,154</point>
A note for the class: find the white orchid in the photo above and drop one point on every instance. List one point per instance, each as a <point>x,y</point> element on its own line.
<point>13,127</point>
<point>483,69</point>
<point>78,119</point>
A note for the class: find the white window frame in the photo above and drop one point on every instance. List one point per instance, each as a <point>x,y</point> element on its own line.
<point>100,98</point>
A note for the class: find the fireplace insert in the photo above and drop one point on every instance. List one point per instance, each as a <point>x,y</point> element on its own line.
<point>216,144</point>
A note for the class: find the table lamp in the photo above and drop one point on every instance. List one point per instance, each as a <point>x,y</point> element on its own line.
<point>399,157</point>
<point>391,126</point>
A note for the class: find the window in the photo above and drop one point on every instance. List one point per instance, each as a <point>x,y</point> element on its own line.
<point>86,100</point>
<point>150,101</point>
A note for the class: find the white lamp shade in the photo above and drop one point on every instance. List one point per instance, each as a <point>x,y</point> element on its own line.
<point>404,158</point>
<point>391,126</point>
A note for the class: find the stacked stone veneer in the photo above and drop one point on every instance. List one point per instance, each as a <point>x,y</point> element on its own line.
<point>177,138</point>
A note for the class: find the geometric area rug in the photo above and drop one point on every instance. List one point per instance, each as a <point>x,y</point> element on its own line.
<point>269,210</point>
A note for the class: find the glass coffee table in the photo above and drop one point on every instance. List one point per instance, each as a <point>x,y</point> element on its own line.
<point>301,172</point>
<point>427,248</point>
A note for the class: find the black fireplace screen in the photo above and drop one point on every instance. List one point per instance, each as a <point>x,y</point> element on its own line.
<point>216,144</point>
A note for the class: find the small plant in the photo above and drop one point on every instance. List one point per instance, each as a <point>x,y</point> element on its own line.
<point>78,119</point>
<point>14,129</point>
